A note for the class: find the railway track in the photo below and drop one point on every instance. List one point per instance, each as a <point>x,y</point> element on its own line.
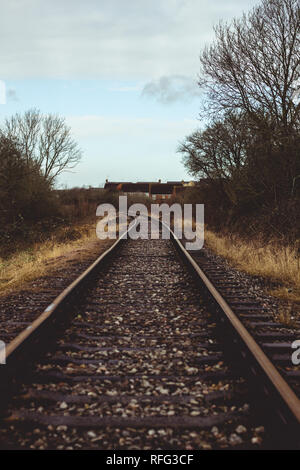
<point>141,353</point>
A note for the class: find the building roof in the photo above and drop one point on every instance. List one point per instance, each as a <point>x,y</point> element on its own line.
<point>176,183</point>
<point>113,185</point>
<point>134,187</point>
<point>110,185</point>
<point>146,187</point>
<point>161,188</point>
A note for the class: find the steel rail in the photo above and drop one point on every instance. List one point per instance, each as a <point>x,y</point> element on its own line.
<point>289,398</point>
<point>21,339</point>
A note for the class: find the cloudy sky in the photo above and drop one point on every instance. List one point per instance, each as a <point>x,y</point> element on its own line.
<point>123,73</point>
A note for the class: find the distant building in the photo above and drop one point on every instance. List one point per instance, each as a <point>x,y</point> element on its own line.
<point>110,186</point>
<point>134,188</point>
<point>161,191</point>
<point>153,190</point>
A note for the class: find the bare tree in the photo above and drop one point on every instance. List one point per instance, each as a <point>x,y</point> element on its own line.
<point>254,63</point>
<point>219,154</point>
<point>57,149</point>
<point>220,151</point>
<point>45,140</point>
<point>24,131</point>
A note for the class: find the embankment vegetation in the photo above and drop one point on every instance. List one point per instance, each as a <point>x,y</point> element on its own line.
<point>34,150</point>
<point>39,224</point>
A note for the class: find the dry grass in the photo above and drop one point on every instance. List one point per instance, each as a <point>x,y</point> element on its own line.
<point>35,262</point>
<point>272,261</point>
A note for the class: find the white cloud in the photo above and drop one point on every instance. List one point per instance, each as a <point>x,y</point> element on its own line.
<point>12,95</point>
<point>138,39</point>
<point>172,88</point>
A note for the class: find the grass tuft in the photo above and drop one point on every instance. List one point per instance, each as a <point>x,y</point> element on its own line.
<point>44,258</point>
<point>272,261</point>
